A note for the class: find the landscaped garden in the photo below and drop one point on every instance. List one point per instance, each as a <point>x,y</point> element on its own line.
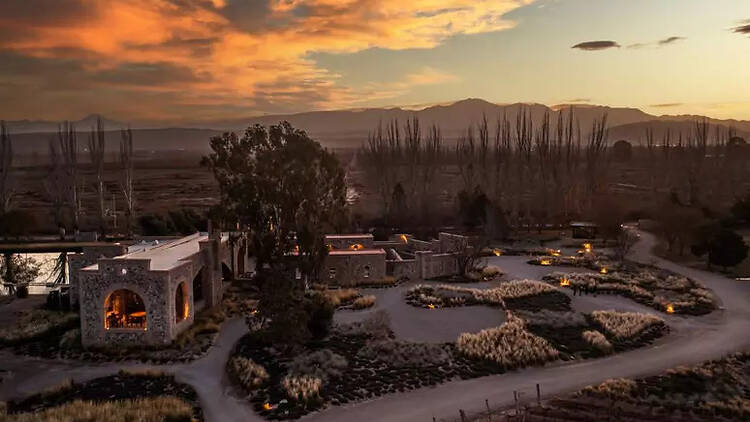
<point>656,288</point>
<point>711,391</point>
<point>363,360</point>
<point>124,397</point>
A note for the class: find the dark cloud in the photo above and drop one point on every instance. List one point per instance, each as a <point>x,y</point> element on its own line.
<point>147,74</point>
<point>666,105</point>
<point>596,45</point>
<point>638,45</point>
<point>742,29</point>
<point>670,40</point>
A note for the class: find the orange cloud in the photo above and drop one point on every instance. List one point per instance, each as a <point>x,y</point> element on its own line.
<point>243,61</point>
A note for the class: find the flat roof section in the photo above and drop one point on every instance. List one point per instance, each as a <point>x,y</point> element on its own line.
<point>340,252</point>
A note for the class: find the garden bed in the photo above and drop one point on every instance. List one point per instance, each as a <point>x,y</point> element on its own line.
<point>361,361</point>
<point>655,288</point>
<point>513,295</point>
<point>123,386</point>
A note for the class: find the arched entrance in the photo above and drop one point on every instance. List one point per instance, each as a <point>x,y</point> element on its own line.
<point>198,286</point>
<point>124,309</point>
<point>181,305</point>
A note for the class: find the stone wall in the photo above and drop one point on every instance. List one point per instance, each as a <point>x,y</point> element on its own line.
<point>353,269</point>
<point>437,265</point>
<point>151,286</point>
<point>403,269</point>
<point>346,241</point>
<point>451,242</point>
<point>89,256</point>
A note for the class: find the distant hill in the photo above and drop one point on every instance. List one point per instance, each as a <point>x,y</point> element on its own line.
<point>350,128</point>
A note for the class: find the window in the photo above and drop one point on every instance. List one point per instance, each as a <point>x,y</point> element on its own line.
<point>198,286</point>
<point>124,309</point>
<point>297,274</point>
<point>331,273</point>
<point>181,307</point>
<point>366,272</point>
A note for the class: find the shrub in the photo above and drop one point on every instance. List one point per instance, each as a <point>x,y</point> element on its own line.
<point>364,302</point>
<point>248,373</point>
<point>598,340</point>
<point>400,354</point>
<point>377,326</point>
<point>323,364</point>
<point>554,319</point>
<point>625,325</point>
<point>71,339</point>
<point>145,410</point>
<point>303,388</point>
<point>37,323</point>
<point>508,345</point>
<point>320,315</point>
<point>447,295</point>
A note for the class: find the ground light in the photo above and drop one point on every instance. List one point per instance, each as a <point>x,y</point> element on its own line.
<point>564,282</point>
<point>670,309</point>
<point>545,262</point>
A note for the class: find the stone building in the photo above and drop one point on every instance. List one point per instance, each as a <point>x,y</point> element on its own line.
<point>357,259</point>
<point>150,294</point>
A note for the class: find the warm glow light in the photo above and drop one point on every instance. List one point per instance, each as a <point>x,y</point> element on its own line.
<point>564,282</point>
<point>431,306</point>
<point>356,247</point>
<point>587,247</point>
<point>267,406</point>
<point>404,239</point>
<point>670,309</point>
<point>497,252</point>
<point>604,270</point>
<point>254,312</point>
<point>545,262</point>
<point>555,252</point>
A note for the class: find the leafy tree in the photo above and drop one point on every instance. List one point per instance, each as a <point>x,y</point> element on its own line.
<point>18,271</point>
<point>727,249</point>
<point>320,311</point>
<point>473,207</point>
<point>284,315</point>
<point>279,184</point>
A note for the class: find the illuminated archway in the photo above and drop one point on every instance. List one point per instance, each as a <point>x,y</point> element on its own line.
<point>124,309</point>
<point>181,305</point>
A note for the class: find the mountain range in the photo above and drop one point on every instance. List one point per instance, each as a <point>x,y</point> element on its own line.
<point>350,128</point>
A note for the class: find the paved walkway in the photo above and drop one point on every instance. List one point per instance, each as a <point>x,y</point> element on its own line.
<point>692,340</point>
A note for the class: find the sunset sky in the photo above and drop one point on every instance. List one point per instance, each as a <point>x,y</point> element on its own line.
<point>187,60</point>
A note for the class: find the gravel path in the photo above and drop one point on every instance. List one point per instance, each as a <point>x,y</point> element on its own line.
<point>691,340</point>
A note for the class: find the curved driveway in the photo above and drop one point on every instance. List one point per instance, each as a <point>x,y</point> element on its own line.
<point>691,340</point>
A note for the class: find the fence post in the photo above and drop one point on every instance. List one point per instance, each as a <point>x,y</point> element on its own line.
<point>538,395</point>
<point>463,415</point>
<point>489,413</point>
<point>515,398</point>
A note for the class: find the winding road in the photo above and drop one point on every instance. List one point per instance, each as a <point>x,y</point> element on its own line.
<point>692,340</point>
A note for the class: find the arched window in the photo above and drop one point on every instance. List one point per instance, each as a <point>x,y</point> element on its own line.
<point>181,306</point>
<point>198,286</point>
<point>124,309</point>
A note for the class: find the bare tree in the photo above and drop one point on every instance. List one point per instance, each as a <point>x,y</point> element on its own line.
<point>96,154</point>
<point>67,137</point>
<point>6,167</point>
<point>126,182</point>
<point>55,184</point>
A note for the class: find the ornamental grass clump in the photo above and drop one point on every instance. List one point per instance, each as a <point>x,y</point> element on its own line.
<point>157,409</point>
<point>250,374</point>
<point>341,297</point>
<point>364,302</point>
<point>625,325</point>
<point>598,340</point>
<point>523,288</point>
<point>303,388</point>
<point>509,345</point>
